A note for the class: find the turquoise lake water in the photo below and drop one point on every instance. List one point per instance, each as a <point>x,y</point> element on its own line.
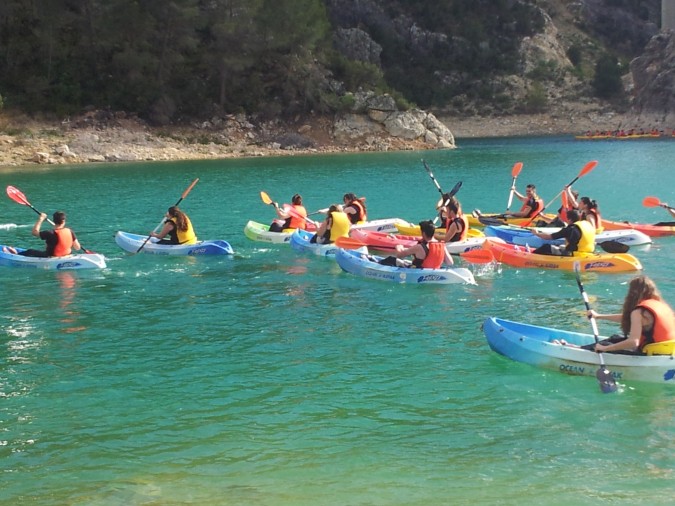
<point>272,378</point>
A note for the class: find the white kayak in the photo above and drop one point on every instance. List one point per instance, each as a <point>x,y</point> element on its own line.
<point>367,266</point>
<point>522,237</point>
<point>8,226</point>
<point>69,262</point>
<point>131,243</point>
<point>387,225</point>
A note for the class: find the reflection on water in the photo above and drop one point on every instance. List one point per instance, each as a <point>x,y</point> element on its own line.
<point>70,316</point>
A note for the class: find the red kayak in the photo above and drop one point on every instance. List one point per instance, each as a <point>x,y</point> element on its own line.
<point>656,230</point>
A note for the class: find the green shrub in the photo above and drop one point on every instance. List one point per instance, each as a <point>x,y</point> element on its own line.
<point>536,99</point>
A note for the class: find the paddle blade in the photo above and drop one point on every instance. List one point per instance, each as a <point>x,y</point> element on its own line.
<point>587,168</point>
<point>16,195</point>
<point>606,380</point>
<point>614,246</point>
<point>266,198</point>
<point>478,256</point>
<point>517,167</point>
<point>565,200</point>
<point>455,188</point>
<point>349,243</point>
<point>647,201</point>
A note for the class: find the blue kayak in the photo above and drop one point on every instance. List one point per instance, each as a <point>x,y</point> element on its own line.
<point>131,243</point>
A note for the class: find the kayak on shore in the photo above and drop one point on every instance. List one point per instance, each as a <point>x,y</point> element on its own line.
<point>132,242</point>
<point>68,262</point>
<point>532,344</point>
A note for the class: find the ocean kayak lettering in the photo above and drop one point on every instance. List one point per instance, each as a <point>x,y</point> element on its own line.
<point>598,265</point>
<point>430,277</point>
<point>379,275</point>
<point>580,371</point>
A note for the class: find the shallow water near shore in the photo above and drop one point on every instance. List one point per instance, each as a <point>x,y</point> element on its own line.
<point>272,378</point>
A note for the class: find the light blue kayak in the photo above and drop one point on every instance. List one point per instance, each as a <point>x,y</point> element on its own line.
<point>525,237</point>
<point>131,243</point>
<point>534,345</point>
<point>300,242</point>
<point>69,262</point>
<point>367,266</point>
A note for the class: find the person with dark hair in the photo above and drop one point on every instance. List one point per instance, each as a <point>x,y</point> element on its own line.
<point>335,225</point>
<point>532,203</point>
<point>290,220</point>
<point>457,225</point>
<point>355,208</point>
<point>178,227</point>
<point>428,253</point>
<point>60,240</point>
<point>588,209</point>
<point>645,319</point>
<point>579,236</point>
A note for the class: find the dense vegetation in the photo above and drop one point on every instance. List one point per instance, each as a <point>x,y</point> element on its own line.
<point>177,59</point>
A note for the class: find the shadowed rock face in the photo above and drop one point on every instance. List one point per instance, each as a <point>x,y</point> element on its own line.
<point>654,80</point>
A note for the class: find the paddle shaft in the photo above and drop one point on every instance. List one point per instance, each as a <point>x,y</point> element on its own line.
<point>183,195</point>
<point>594,326</point>
<point>514,172</point>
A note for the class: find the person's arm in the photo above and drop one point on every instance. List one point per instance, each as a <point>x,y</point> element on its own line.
<point>76,243</point>
<point>168,227</point>
<point>562,233</point>
<point>38,225</point>
<point>448,258</point>
<point>633,340</point>
<point>402,252</point>
<point>570,198</point>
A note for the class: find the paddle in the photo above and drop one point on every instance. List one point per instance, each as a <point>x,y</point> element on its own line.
<point>605,377</point>
<point>655,202</point>
<point>289,209</point>
<point>517,167</point>
<point>585,170</point>
<point>17,196</point>
<point>452,193</point>
<point>478,256</point>
<point>185,194</point>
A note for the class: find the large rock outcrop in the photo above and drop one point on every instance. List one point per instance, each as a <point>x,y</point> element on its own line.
<point>654,82</point>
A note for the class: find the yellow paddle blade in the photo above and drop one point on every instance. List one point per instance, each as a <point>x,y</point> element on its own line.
<point>266,198</point>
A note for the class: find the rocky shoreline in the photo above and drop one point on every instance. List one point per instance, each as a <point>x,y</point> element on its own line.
<point>120,138</point>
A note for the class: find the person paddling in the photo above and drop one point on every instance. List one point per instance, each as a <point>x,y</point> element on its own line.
<point>532,203</point>
<point>60,240</point>
<point>457,224</point>
<point>335,225</point>
<point>427,253</point>
<point>579,236</point>
<point>355,208</point>
<point>178,227</point>
<point>287,220</point>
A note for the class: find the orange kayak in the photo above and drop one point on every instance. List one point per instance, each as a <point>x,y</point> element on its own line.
<point>521,256</point>
<point>656,230</point>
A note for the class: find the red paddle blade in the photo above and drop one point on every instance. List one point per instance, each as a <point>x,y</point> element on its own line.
<point>651,202</point>
<point>16,195</point>
<point>565,200</point>
<point>517,167</point>
<point>478,256</point>
<point>587,168</point>
<point>348,243</point>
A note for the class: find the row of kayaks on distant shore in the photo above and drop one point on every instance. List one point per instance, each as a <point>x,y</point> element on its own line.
<point>626,135</point>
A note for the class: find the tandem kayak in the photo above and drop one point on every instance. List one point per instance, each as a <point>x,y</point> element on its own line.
<point>367,266</point>
<point>388,242</point>
<point>69,262</point>
<point>525,236</point>
<point>655,230</point>
<point>533,345</point>
<point>131,243</point>
<point>522,256</point>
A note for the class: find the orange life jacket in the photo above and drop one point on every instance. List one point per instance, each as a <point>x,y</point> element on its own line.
<point>435,255</point>
<point>296,222</point>
<point>360,212</point>
<point>463,222</point>
<point>664,321</point>
<point>64,242</point>
<point>536,206</point>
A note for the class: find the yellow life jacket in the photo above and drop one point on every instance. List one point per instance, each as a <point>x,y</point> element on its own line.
<point>587,241</point>
<point>340,226</point>
<point>185,237</point>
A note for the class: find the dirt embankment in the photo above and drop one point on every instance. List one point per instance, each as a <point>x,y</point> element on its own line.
<point>109,137</point>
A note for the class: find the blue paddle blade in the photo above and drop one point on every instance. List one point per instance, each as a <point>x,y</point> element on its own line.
<point>606,380</point>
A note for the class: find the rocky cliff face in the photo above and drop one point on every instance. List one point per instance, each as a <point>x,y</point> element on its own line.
<point>654,82</point>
